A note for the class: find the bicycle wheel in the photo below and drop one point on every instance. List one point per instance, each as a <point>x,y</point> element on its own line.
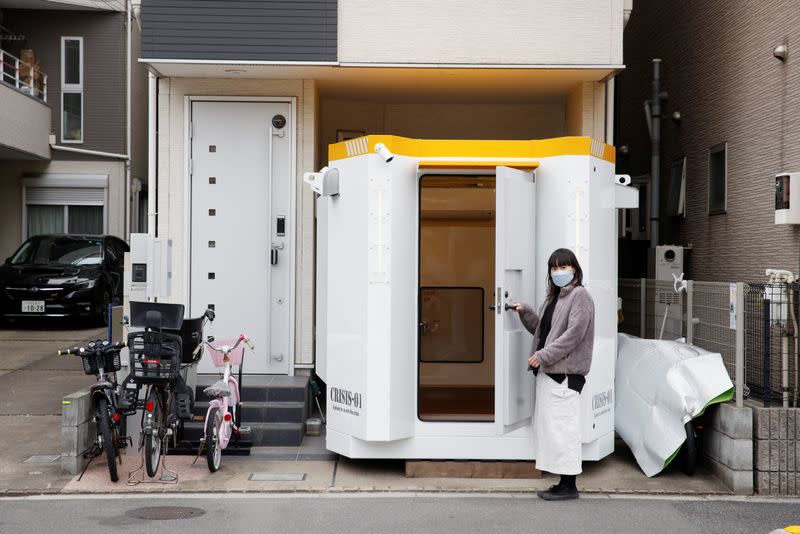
<point>106,435</point>
<point>213,452</point>
<point>152,439</point>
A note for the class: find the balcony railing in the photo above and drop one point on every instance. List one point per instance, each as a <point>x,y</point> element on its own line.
<point>24,77</point>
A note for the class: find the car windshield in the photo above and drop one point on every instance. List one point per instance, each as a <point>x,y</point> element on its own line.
<point>61,250</point>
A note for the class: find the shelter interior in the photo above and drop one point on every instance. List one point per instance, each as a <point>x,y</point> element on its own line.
<point>456,379</point>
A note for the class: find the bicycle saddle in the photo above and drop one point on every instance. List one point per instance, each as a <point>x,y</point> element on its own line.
<point>220,388</point>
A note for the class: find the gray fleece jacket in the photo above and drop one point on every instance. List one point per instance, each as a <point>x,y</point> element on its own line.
<point>568,348</point>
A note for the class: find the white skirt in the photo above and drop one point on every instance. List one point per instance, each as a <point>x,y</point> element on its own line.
<point>557,427</point>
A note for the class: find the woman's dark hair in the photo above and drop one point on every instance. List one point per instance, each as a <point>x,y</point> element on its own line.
<point>563,257</point>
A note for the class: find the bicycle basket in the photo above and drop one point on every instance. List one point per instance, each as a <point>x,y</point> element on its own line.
<point>110,362</point>
<point>218,357</point>
<point>89,364</point>
<point>155,357</point>
<point>113,362</point>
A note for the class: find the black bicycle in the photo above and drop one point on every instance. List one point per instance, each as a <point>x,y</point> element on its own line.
<point>102,359</point>
<point>157,355</point>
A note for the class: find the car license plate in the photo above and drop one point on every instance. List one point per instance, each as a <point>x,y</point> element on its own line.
<point>33,306</point>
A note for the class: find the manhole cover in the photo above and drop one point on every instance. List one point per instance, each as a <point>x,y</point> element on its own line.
<point>159,513</point>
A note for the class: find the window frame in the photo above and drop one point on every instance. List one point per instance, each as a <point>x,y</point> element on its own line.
<point>721,147</point>
<point>72,88</point>
<point>680,211</point>
<point>65,209</point>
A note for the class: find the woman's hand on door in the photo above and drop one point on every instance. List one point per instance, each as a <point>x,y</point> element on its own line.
<point>517,307</point>
<point>533,361</point>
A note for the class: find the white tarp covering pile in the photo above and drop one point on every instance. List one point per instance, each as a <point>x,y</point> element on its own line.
<point>660,385</point>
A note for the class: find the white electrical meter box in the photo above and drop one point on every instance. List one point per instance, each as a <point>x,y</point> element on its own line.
<point>150,274</point>
<point>787,211</point>
<point>421,254</point>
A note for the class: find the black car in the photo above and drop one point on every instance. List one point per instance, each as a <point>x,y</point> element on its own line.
<point>63,276</point>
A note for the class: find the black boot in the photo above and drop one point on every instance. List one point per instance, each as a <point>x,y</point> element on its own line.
<point>563,491</point>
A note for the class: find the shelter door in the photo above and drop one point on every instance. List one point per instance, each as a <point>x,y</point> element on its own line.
<point>515,282</point>
<point>241,233</point>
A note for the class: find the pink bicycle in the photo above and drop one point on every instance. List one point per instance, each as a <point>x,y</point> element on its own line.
<point>223,417</point>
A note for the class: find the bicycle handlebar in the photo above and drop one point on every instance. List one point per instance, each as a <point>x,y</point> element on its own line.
<point>242,337</point>
<point>93,347</point>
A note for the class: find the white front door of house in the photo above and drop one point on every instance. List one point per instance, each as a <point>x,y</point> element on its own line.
<point>241,231</point>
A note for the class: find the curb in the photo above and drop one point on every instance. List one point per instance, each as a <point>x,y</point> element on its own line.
<point>335,491</point>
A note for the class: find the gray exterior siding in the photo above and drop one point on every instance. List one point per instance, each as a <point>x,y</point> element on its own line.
<point>265,30</point>
<point>720,74</point>
<point>103,70</point>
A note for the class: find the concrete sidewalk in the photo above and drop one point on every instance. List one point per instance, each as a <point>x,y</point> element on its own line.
<point>262,472</point>
<point>33,381</point>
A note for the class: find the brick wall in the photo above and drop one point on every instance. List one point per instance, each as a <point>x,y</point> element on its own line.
<point>776,450</point>
<point>720,73</point>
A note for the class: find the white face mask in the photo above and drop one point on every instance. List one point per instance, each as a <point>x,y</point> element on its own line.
<point>562,277</point>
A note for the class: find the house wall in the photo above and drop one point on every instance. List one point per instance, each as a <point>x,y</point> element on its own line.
<point>585,110</point>
<point>103,70</point>
<point>540,32</point>
<point>719,72</point>
<point>12,172</point>
<point>26,124</point>
<point>267,30</point>
<point>172,177</point>
<point>542,119</point>
<point>317,122</point>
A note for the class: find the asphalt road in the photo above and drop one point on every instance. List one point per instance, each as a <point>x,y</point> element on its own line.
<point>288,513</point>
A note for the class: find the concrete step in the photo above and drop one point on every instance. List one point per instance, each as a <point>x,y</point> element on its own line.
<point>261,434</point>
<point>266,412</point>
<point>263,388</point>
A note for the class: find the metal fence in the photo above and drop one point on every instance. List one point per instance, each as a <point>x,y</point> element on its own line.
<point>771,347</point>
<point>753,326</point>
<point>22,76</point>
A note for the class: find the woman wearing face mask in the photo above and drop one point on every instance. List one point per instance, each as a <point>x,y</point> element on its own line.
<point>563,333</point>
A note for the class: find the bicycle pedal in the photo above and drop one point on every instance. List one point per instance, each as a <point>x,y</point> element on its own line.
<point>243,431</point>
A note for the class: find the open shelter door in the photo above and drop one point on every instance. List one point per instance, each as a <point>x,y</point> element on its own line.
<point>515,282</point>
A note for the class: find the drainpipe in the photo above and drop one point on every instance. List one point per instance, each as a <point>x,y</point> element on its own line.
<point>655,154</point>
<point>128,54</point>
<point>152,117</point>
<point>85,151</point>
<point>610,111</point>
<point>626,12</point>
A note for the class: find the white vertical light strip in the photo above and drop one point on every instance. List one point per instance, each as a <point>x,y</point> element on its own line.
<point>379,243</point>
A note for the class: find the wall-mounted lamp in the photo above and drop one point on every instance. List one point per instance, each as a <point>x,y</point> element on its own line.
<point>676,117</point>
<point>780,52</point>
<point>623,150</point>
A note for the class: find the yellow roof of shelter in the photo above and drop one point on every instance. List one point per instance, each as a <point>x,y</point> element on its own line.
<point>438,152</point>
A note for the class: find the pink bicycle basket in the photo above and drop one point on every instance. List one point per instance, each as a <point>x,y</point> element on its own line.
<point>217,356</point>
